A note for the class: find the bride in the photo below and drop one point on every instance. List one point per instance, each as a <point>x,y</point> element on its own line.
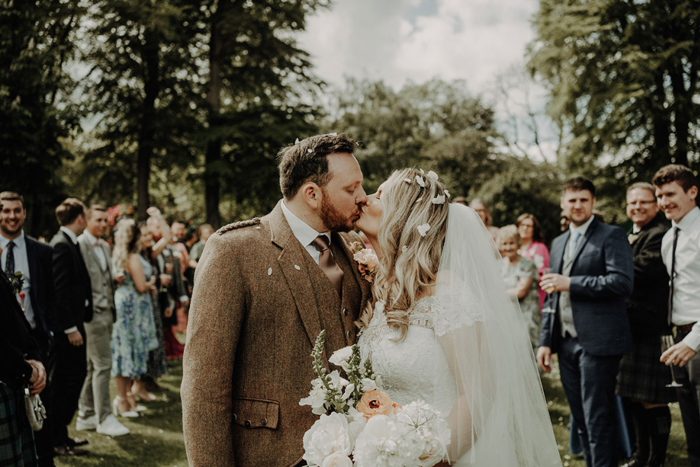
<point>443,329</point>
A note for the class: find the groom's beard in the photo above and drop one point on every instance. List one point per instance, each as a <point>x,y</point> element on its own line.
<point>332,218</point>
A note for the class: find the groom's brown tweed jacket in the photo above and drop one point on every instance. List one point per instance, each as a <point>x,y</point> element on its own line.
<point>258,304</point>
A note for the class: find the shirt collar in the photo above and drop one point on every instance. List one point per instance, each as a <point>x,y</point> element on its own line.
<point>688,219</point>
<point>583,228</point>
<point>71,234</point>
<point>301,230</point>
<point>19,241</point>
<point>91,238</point>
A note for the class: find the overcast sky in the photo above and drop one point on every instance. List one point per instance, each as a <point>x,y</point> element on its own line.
<point>398,40</point>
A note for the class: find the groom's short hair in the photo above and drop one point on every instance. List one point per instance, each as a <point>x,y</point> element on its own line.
<point>306,161</point>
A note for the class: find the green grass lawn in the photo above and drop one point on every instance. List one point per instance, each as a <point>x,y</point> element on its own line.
<point>156,438</point>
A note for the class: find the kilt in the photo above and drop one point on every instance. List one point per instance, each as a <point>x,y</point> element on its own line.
<point>642,377</point>
<point>16,436</point>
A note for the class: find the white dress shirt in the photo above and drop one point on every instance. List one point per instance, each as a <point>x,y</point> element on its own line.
<point>304,233</point>
<point>686,284</point>
<point>97,248</point>
<point>21,264</point>
<point>74,239</point>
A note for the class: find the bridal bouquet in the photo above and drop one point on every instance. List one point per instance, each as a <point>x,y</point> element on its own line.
<point>360,425</point>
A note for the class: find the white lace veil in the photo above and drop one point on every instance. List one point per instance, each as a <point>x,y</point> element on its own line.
<point>500,417</point>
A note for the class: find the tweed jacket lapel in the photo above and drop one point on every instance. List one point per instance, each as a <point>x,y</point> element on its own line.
<point>292,263</point>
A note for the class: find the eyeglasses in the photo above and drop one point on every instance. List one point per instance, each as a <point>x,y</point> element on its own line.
<point>643,203</point>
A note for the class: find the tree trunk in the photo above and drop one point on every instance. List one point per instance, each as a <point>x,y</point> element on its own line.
<point>212,184</point>
<point>682,109</point>
<point>146,137</point>
<point>661,121</point>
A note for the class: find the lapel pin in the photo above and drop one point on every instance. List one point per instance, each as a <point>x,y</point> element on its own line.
<point>297,267</point>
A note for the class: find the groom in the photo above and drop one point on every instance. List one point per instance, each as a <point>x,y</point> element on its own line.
<point>265,288</point>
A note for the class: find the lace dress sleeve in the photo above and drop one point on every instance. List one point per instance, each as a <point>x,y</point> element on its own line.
<point>456,306</point>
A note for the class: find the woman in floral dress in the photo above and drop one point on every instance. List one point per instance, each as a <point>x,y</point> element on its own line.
<point>134,332</point>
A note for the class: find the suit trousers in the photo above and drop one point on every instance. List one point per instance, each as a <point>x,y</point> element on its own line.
<point>689,400</point>
<point>44,437</point>
<point>68,367</point>
<point>94,397</point>
<point>589,383</point>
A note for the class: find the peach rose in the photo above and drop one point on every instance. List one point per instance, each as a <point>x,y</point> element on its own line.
<point>376,403</point>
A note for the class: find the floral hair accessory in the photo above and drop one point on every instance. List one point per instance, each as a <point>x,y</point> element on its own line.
<point>447,193</point>
<point>297,141</point>
<point>404,249</point>
<point>432,175</point>
<point>439,199</point>
<point>309,151</point>
<point>419,200</point>
<point>420,181</point>
<point>423,229</point>
<point>407,180</point>
<point>421,171</point>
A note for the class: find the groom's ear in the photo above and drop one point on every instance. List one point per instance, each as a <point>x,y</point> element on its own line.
<point>311,194</point>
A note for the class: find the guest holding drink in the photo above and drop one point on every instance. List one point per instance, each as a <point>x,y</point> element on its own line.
<point>642,380</point>
<point>533,246</point>
<point>520,277</point>
<point>676,192</point>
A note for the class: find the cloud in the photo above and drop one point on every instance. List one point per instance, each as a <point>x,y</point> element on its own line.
<point>397,40</point>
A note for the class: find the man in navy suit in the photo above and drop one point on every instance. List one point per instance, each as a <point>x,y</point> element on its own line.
<point>585,319</point>
<point>73,291</point>
<point>20,252</point>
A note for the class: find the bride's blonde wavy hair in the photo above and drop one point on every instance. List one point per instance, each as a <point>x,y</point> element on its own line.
<point>409,263</point>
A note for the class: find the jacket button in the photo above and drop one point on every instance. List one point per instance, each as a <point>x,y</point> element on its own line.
<point>263,421</point>
<point>345,311</point>
<point>248,423</point>
<point>235,417</point>
<point>349,334</point>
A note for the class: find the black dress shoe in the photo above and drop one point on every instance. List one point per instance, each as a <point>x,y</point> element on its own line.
<point>68,451</point>
<point>75,442</point>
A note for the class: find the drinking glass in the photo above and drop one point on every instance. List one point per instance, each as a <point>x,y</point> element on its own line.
<point>666,343</point>
<point>548,290</point>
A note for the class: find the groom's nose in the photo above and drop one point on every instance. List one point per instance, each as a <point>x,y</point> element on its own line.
<point>361,199</point>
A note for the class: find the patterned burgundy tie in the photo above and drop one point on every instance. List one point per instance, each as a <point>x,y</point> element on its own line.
<point>327,263</point>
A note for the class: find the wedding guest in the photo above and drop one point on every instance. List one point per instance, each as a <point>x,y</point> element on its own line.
<point>34,259</point>
<point>172,296</point>
<point>520,276</point>
<point>134,332</point>
<point>534,247</point>
<point>461,200</point>
<point>642,379</point>
<point>20,366</point>
<point>485,215</point>
<point>205,231</point>
<point>592,274</point>
<point>73,303</point>
<point>94,404</point>
<point>676,192</point>
<point>157,361</point>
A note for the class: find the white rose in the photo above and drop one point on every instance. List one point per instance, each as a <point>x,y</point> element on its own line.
<point>329,435</point>
<point>337,460</point>
<point>356,423</point>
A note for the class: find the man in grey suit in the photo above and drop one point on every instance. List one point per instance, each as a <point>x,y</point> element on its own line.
<point>585,318</point>
<point>94,404</point>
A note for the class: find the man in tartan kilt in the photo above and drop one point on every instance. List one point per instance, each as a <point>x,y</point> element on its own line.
<point>19,367</point>
<point>642,378</point>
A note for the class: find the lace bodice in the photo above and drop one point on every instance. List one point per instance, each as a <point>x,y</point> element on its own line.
<point>415,367</point>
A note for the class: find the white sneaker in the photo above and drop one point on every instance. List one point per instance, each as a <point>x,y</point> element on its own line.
<point>111,427</point>
<point>86,424</point>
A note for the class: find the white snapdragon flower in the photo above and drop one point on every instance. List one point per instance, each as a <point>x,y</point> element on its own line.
<point>341,357</point>
<point>317,397</point>
<point>368,385</point>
